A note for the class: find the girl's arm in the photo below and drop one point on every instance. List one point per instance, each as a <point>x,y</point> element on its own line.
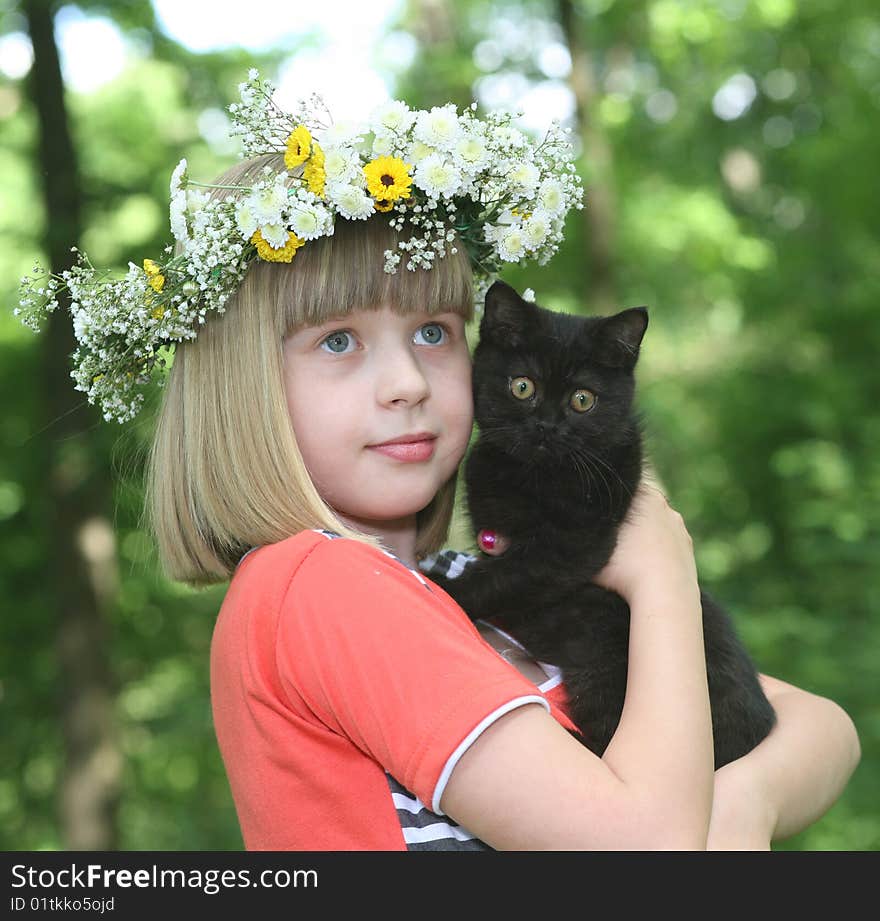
<point>791,779</point>
<point>526,784</point>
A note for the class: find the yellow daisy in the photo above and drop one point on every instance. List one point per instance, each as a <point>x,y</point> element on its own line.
<point>299,145</point>
<point>268,252</point>
<point>384,205</point>
<point>314,172</point>
<point>388,178</point>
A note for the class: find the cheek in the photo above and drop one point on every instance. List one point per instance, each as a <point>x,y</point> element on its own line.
<point>315,424</point>
<point>458,396</point>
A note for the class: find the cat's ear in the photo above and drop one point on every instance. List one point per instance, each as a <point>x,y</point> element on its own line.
<point>507,320</point>
<point>617,339</point>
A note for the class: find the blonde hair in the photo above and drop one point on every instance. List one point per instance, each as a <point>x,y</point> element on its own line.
<point>225,473</point>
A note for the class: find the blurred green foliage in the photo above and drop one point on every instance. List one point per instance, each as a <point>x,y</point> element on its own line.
<point>755,242</point>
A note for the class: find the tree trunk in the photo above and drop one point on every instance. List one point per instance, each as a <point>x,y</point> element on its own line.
<point>82,573</point>
<point>599,210</point>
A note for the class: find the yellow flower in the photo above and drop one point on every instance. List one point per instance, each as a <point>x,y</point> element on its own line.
<point>384,205</point>
<point>268,252</point>
<point>314,172</point>
<point>388,178</point>
<point>298,146</point>
<point>156,279</point>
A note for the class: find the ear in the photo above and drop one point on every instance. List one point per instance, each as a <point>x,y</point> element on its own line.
<point>507,320</point>
<point>617,339</point>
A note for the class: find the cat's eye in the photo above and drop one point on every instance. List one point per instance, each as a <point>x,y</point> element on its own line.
<point>522,387</point>
<point>582,401</point>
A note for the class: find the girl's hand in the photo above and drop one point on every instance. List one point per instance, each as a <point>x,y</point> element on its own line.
<point>654,550</point>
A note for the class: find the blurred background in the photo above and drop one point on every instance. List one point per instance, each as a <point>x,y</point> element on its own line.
<point>729,150</point>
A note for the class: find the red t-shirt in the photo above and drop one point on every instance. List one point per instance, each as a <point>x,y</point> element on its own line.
<point>345,687</point>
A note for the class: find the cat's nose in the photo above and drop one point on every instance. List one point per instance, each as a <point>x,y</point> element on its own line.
<point>544,431</point>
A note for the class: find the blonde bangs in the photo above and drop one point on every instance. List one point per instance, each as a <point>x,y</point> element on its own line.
<point>225,472</point>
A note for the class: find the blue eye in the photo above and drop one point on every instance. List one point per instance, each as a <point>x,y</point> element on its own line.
<point>338,342</point>
<point>432,334</point>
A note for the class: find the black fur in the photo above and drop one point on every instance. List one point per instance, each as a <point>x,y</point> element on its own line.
<point>558,483</point>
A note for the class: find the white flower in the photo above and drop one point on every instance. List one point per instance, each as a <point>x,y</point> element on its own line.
<point>417,152</point>
<point>551,196</point>
<point>268,203</point>
<point>394,116</point>
<point>536,229</point>
<point>383,145</point>
<point>439,127</point>
<point>471,151</point>
<point>353,203</point>
<point>80,325</point>
<point>437,176</point>
<point>529,295</point>
<point>246,218</point>
<point>308,222</point>
<point>339,164</point>
<point>276,235</point>
<point>340,134</point>
<point>178,177</point>
<point>494,232</point>
<point>525,177</point>
<point>512,246</point>
<point>196,200</point>
<point>178,216</point>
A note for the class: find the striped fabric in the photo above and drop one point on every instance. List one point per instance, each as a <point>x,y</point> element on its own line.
<point>424,830</point>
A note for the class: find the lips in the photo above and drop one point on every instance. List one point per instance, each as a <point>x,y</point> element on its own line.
<point>415,447</point>
<point>407,439</point>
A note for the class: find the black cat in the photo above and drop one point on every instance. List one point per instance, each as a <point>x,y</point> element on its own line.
<point>554,469</point>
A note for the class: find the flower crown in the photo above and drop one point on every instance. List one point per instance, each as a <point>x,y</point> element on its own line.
<point>449,176</point>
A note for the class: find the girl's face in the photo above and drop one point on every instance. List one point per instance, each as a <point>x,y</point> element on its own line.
<point>369,378</point>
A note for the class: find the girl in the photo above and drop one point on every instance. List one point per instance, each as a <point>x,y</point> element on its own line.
<point>307,448</point>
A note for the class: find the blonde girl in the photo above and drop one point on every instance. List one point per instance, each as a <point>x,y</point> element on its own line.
<point>355,706</point>
<point>317,410</point>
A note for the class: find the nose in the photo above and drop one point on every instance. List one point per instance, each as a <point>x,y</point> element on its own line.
<point>544,433</point>
<point>401,381</point>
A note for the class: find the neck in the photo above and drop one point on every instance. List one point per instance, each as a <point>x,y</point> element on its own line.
<point>398,536</point>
